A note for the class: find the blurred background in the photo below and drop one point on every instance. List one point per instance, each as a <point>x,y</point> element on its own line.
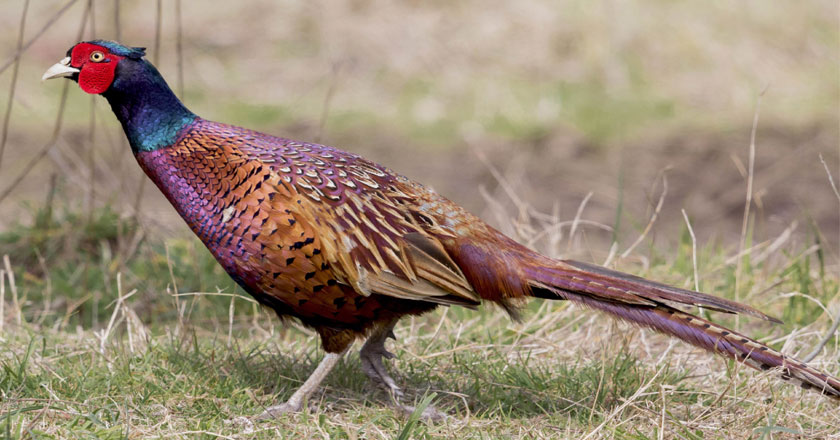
<point>540,111</point>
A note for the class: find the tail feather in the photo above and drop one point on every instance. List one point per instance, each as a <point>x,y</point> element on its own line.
<point>608,291</point>
<point>647,289</point>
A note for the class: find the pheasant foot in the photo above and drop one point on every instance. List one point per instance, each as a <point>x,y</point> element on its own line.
<point>371,354</point>
<point>296,402</point>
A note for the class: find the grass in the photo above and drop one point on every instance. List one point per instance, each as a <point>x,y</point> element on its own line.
<point>83,362</point>
<point>115,326</point>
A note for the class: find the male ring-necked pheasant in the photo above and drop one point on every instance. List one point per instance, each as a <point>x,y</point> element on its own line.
<point>349,247</point>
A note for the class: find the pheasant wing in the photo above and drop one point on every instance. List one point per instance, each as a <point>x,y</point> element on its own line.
<point>364,222</point>
<point>374,247</point>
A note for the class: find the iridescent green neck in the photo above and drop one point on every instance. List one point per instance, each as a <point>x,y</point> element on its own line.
<point>151,115</point>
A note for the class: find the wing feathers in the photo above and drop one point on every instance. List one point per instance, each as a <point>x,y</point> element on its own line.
<point>409,264</point>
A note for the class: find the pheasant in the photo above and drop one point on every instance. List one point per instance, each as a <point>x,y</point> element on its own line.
<point>348,247</point>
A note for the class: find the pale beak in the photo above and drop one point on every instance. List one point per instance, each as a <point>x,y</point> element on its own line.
<point>60,69</point>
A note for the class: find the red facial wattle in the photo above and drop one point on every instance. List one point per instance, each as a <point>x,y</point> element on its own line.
<point>94,77</point>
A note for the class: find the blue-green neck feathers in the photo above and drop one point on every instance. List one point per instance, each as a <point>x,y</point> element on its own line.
<point>151,115</point>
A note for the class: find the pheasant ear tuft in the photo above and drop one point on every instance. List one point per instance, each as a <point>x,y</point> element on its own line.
<point>137,52</point>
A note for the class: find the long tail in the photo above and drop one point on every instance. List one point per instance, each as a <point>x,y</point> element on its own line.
<point>647,303</point>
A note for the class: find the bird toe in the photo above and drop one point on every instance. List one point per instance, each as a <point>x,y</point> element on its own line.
<point>276,411</point>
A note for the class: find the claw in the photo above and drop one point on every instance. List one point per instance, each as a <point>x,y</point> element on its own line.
<point>275,411</point>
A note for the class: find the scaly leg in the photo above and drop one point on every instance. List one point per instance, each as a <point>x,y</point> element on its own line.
<point>295,403</point>
<point>371,355</point>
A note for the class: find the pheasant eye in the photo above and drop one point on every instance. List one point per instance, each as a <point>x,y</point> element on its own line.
<point>97,57</point>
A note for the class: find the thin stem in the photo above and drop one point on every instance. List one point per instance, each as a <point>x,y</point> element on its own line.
<point>37,35</point>
<point>747,204</point>
<point>179,49</point>
<point>141,186</point>
<point>325,110</point>
<point>833,329</point>
<point>91,130</point>
<point>56,129</point>
<point>5,136</point>
<point>653,217</point>
<point>158,14</point>
<point>117,27</point>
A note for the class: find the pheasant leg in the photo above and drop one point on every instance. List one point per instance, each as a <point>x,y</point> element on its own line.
<point>295,403</point>
<point>371,355</point>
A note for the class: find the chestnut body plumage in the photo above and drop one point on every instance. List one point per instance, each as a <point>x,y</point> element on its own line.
<point>349,247</point>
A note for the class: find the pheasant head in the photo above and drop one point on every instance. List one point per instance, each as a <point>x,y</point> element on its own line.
<point>150,113</point>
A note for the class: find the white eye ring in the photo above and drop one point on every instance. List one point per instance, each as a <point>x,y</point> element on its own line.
<point>97,56</point>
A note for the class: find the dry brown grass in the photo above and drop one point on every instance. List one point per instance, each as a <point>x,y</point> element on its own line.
<point>562,114</point>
